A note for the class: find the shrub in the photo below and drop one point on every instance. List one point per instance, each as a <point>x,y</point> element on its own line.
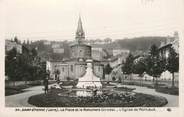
<point>69,83</point>
<point>113,78</point>
<point>108,99</point>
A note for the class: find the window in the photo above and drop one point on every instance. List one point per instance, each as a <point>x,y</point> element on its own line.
<point>71,68</point>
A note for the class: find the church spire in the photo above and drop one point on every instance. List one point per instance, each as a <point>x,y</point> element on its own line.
<point>80,35</point>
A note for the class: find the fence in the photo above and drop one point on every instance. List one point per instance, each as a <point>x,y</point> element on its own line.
<point>142,82</point>
<point>137,80</point>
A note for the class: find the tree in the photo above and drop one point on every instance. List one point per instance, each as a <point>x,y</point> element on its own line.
<point>114,78</point>
<point>154,51</point>
<point>139,67</point>
<point>154,65</point>
<point>22,67</point>
<point>127,68</point>
<point>24,42</point>
<point>34,52</point>
<point>107,69</point>
<point>11,64</point>
<point>27,43</point>
<point>16,39</point>
<point>172,63</point>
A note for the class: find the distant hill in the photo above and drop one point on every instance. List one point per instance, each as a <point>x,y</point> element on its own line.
<point>133,44</point>
<point>139,43</point>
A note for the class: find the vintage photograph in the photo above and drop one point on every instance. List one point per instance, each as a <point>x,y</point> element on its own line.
<point>92,53</point>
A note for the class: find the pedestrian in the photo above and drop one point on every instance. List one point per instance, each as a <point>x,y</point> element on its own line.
<point>46,83</point>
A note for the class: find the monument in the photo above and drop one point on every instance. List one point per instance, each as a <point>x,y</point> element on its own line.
<point>89,80</point>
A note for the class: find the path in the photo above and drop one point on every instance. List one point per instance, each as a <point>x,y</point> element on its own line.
<point>21,99</point>
<point>173,100</point>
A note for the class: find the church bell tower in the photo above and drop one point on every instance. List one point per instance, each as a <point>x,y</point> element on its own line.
<point>79,49</point>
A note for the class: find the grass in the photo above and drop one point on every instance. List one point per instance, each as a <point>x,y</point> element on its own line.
<point>108,85</point>
<point>168,90</point>
<point>162,88</point>
<point>124,89</point>
<point>69,83</point>
<point>15,90</point>
<point>11,90</point>
<point>151,86</point>
<point>106,100</point>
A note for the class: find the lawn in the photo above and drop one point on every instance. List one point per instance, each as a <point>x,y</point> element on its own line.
<point>15,90</point>
<point>11,90</point>
<point>168,90</point>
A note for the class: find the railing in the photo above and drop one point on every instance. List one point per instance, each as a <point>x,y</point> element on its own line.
<point>142,82</point>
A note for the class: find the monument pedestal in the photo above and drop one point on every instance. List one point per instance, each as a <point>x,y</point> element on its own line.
<point>89,80</point>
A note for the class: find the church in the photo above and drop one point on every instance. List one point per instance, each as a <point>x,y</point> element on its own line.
<point>75,66</point>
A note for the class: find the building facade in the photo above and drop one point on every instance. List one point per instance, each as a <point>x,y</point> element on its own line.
<point>97,53</point>
<point>117,60</point>
<point>81,51</point>
<point>171,42</point>
<point>120,52</point>
<point>58,50</point>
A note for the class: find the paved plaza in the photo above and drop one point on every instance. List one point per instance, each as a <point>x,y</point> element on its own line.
<point>21,100</point>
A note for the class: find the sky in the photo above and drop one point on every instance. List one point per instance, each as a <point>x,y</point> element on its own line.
<point>116,19</point>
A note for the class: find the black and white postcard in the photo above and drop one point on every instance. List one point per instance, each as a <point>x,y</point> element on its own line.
<point>92,58</point>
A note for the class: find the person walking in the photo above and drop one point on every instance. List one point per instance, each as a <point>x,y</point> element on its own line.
<point>46,83</point>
